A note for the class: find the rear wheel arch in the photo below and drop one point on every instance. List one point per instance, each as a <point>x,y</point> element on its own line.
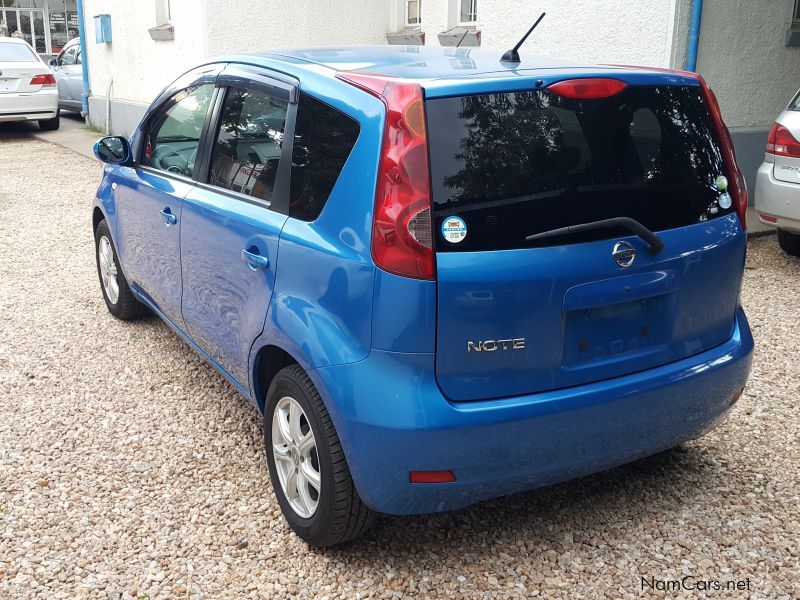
<point>97,216</point>
<point>269,361</point>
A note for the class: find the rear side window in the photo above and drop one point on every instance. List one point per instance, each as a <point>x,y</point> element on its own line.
<point>16,53</point>
<point>323,140</point>
<point>248,147</point>
<point>514,164</point>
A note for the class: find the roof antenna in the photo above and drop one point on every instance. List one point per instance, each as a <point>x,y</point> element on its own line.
<point>512,55</point>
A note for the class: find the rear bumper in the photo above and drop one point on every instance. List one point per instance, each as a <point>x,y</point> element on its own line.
<point>29,107</point>
<point>392,419</point>
<point>777,199</point>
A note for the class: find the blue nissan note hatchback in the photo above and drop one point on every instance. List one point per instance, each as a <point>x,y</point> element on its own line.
<point>442,277</point>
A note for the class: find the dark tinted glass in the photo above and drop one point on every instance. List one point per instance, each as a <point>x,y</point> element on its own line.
<point>323,140</point>
<point>248,147</point>
<point>514,164</point>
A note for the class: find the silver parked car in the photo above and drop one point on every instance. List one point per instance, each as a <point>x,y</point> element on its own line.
<point>27,86</point>
<point>778,182</point>
<point>69,75</point>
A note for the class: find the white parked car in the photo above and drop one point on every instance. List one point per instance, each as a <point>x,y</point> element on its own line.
<point>778,181</point>
<point>27,86</point>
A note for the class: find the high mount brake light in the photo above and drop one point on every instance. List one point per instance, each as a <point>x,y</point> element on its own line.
<point>46,79</point>
<point>781,142</point>
<point>402,231</point>
<point>587,89</point>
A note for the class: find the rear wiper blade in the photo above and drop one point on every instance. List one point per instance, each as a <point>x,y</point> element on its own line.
<point>656,243</point>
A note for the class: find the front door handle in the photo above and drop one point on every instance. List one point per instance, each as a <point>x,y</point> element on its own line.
<point>254,260</point>
<point>169,218</point>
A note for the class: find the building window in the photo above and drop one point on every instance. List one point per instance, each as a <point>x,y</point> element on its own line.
<point>468,11</point>
<point>162,12</point>
<point>413,12</point>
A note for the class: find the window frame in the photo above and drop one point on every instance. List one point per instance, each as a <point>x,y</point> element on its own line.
<point>246,77</point>
<point>474,6</point>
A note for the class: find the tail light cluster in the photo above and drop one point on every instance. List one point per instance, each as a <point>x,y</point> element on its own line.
<point>46,80</point>
<point>402,230</point>
<point>781,142</point>
<point>737,187</point>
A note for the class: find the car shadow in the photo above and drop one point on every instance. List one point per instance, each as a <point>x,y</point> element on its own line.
<point>585,508</point>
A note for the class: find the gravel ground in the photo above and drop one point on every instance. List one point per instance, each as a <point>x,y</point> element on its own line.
<point>129,468</point>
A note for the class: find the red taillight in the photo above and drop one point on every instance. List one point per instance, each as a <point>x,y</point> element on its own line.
<point>781,142</point>
<point>736,184</point>
<point>47,80</point>
<point>431,477</point>
<point>402,232</point>
<point>587,89</point>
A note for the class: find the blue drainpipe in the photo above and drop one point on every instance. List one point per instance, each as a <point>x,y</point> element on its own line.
<point>84,61</point>
<point>694,35</point>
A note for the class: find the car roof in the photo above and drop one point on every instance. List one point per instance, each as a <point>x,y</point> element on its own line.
<point>11,40</point>
<point>412,62</point>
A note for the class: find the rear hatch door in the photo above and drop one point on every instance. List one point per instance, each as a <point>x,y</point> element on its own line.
<point>517,317</point>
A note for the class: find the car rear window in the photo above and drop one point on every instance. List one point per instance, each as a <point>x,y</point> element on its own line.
<point>323,139</point>
<point>16,53</point>
<point>508,165</point>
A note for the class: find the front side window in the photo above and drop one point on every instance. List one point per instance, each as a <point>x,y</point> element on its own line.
<point>796,13</point>
<point>69,56</point>
<point>323,140</point>
<point>248,146</point>
<point>173,136</point>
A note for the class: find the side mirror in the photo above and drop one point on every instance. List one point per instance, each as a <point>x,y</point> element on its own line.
<point>53,62</point>
<point>114,149</point>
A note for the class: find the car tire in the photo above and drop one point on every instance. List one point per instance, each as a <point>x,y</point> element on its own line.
<point>336,513</point>
<point>789,242</point>
<point>118,296</point>
<point>50,124</point>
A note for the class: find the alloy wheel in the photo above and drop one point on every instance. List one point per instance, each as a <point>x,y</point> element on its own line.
<point>296,460</point>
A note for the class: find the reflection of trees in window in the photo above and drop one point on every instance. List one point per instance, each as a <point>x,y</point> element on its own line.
<point>248,148</point>
<point>520,144</point>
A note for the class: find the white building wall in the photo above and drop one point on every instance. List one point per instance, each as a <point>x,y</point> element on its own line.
<point>140,67</point>
<point>236,25</point>
<point>594,31</point>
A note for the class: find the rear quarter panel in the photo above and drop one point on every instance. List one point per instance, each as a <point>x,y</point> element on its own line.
<point>321,310</point>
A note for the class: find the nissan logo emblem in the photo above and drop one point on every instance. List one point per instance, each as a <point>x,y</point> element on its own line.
<point>624,254</point>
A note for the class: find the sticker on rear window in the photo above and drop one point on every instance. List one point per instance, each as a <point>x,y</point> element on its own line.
<point>725,201</point>
<point>722,184</point>
<point>454,229</point>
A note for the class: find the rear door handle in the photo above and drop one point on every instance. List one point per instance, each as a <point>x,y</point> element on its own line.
<point>254,260</point>
<point>169,218</point>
